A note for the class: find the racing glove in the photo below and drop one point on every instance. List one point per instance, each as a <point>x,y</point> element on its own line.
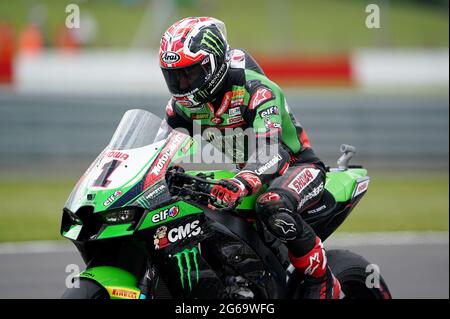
<point>228,192</point>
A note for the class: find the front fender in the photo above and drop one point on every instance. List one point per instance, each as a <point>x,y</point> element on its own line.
<point>119,284</point>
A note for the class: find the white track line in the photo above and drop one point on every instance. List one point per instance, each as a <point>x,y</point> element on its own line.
<point>387,239</point>
<point>36,247</point>
<point>340,240</point>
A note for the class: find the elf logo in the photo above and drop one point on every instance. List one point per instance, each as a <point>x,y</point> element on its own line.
<point>164,214</point>
<point>183,231</point>
<point>170,57</point>
<point>271,110</point>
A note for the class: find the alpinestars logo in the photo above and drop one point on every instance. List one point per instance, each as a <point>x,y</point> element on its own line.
<point>315,192</point>
<point>316,260</point>
<point>285,227</point>
<point>184,260</point>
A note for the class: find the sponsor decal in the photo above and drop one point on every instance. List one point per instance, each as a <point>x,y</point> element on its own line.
<point>268,198</point>
<point>269,164</point>
<point>303,179</point>
<point>315,192</point>
<point>184,102</point>
<point>316,260</point>
<point>261,95</point>
<point>213,42</point>
<point>112,198</point>
<point>217,120</point>
<point>222,109</point>
<point>234,120</point>
<point>271,124</point>
<point>199,116</point>
<point>162,161</point>
<point>238,55</point>
<point>316,210</point>
<point>200,95</point>
<point>361,187</point>
<point>124,293</point>
<point>237,98</point>
<point>183,231</point>
<point>285,227</point>
<point>117,155</point>
<point>170,57</point>
<point>253,180</point>
<point>155,193</point>
<point>217,77</point>
<point>235,111</point>
<point>160,239</point>
<point>165,214</point>
<point>164,237</point>
<point>187,259</point>
<point>273,110</point>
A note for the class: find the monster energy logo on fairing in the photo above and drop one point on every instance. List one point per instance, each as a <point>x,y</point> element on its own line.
<point>185,257</point>
<point>212,41</point>
<point>144,202</point>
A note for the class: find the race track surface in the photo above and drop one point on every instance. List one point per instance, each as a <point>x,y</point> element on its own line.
<point>412,270</point>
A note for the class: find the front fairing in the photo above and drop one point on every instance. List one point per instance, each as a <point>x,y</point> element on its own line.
<point>129,174</point>
<point>123,170</point>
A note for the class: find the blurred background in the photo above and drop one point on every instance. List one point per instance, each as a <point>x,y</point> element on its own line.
<point>383,90</point>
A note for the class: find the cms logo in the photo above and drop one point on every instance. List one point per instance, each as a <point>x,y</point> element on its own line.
<point>183,231</point>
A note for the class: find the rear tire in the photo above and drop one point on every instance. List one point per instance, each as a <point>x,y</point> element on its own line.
<point>88,289</point>
<point>350,270</point>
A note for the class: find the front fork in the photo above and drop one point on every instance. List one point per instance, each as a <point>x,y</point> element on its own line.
<point>121,284</point>
<point>149,281</point>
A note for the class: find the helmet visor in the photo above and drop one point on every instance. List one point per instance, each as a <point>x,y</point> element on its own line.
<point>184,80</point>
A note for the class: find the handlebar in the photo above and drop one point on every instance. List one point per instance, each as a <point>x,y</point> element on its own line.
<point>200,190</point>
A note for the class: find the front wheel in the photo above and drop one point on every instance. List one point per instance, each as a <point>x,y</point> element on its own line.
<point>353,272</point>
<point>87,289</point>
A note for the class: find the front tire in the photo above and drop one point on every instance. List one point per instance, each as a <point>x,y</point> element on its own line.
<point>351,271</point>
<point>88,289</point>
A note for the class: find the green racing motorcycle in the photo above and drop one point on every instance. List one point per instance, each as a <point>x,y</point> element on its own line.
<point>144,228</point>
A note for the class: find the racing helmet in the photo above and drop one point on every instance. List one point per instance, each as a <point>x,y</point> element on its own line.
<point>194,57</point>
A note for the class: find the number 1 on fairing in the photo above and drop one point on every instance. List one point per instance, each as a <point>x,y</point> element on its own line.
<point>107,169</point>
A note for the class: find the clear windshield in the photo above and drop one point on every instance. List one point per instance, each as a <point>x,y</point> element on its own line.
<point>136,140</point>
<point>138,128</point>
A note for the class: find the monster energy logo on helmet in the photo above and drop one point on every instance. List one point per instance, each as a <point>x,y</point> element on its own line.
<point>184,260</point>
<point>213,41</point>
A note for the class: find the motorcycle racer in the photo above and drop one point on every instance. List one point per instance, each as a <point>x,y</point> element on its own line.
<point>217,87</point>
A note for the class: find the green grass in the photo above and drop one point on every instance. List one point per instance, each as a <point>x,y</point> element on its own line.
<point>399,202</point>
<point>263,26</point>
<point>406,202</point>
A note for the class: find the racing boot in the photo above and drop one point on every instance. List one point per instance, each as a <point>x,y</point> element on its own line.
<point>319,281</point>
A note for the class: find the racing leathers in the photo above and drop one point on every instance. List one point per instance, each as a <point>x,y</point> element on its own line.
<point>282,158</point>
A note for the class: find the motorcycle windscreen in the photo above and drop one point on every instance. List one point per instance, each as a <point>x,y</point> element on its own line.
<point>122,163</point>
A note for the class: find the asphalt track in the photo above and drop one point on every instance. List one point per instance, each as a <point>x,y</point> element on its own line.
<point>414,266</point>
